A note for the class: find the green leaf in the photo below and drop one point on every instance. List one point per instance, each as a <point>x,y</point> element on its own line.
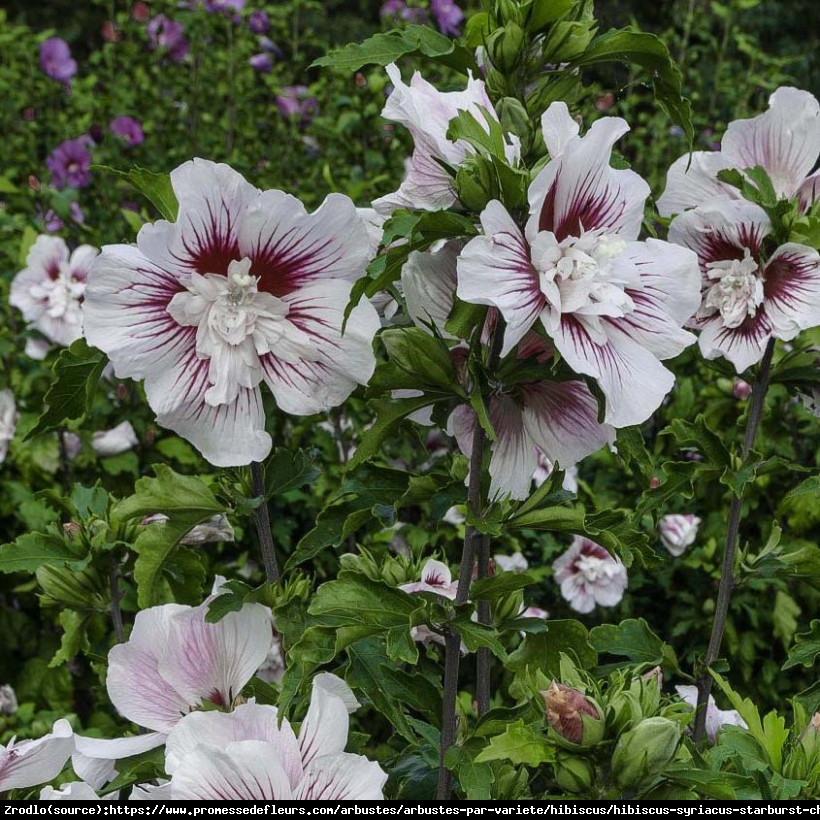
<point>411,41</point>
<point>543,12</point>
<point>500,586</point>
<point>286,471</point>
<point>632,451</point>
<point>809,487</point>
<point>476,779</point>
<point>76,373</point>
<point>520,745</point>
<point>74,639</point>
<point>650,52</point>
<point>632,639</point>
<point>475,635</point>
<point>423,356</point>
<point>154,187</point>
<point>357,607</point>
<point>187,501</point>
<point>543,650</point>
<point>720,785</point>
<point>806,648</point>
<point>34,549</point>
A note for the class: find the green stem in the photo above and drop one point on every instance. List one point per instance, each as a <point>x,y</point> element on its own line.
<point>727,579</point>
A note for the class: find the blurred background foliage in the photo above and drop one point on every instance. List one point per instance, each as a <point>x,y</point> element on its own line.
<point>215,104</point>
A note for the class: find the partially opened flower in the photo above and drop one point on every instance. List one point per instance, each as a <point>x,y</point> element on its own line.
<point>678,532</point>
<point>612,307</point>
<point>589,576</point>
<point>248,755</point>
<point>32,762</point>
<point>436,578</point>
<point>426,113</point>
<point>8,421</point>
<point>175,661</point>
<point>49,290</point>
<point>533,416</point>
<point>784,141</point>
<point>244,287</point>
<point>120,439</point>
<point>715,718</point>
<point>56,61</point>
<point>748,297</point>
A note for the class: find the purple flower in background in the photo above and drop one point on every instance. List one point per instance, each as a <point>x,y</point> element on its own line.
<point>266,44</point>
<point>55,60</point>
<point>258,22</point>
<point>53,223</point>
<point>167,34</point>
<point>128,128</point>
<point>220,6</point>
<point>293,101</point>
<point>70,163</point>
<point>448,16</point>
<point>261,62</point>
<point>395,10</point>
<point>392,8</point>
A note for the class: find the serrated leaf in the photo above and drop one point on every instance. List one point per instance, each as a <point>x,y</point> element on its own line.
<point>632,639</point>
<point>499,586</point>
<point>650,52</point>
<point>156,188</point>
<point>475,635</point>
<point>76,373</point>
<point>74,639</point>
<point>383,49</point>
<point>543,651</point>
<point>806,648</point>
<point>187,501</point>
<point>33,549</point>
<point>520,745</point>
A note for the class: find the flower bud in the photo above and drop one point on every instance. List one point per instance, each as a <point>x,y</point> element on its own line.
<point>514,119</point>
<point>476,183</point>
<point>85,590</point>
<point>8,700</point>
<point>573,774</point>
<point>572,716</point>
<point>805,757</point>
<point>508,11</point>
<point>505,47</point>
<point>644,752</point>
<point>567,40</point>
<point>741,390</point>
<point>678,532</point>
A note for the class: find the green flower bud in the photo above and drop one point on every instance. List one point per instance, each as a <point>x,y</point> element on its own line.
<point>805,756</point>
<point>644,752</point>
<point>514,119</point>
<point>508,11</point>
<point>573,774</point>
<point>567,41</point>
<point>508,607</point>
<point>476,183</point>
<point>573,718</point>
<point>83,590</point>
<point>505,47</point>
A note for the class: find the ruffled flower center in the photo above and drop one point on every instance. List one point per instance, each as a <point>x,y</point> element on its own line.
<point>236,325</point>
<point>738,290</point>
<point>580,275</point>
<point>594,569</point>
<point>61,295</point>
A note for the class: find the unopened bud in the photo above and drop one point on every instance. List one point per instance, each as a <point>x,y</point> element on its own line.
<point>33,182</point>
<point>71,529</point>
<point>741,390</point>
<point>654,482</point>
<point>508,11</point>
<point>505,47</point>
<point>572,716</point>
<point>573,774</point>
<point>8,700</point>
<point>644,752</point>
<point>654,676</point>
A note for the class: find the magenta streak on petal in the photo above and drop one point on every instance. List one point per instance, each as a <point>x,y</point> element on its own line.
<point>648,309</point>
<point>788,281</point>
<point>588,210</point>
<point>289,261</point>
<point>755,328</point>
<point>215,245</point>
<point>566,404</point>
<point>53,268</point>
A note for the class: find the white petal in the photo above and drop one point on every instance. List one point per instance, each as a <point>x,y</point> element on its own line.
<point>337,687</point>
<point>32,762</point>
<point>290,249</point>
<point>668,297</point>
<point>513,459</point>
<point>785,140</point>
<point>120,439</point>
<point>81,261</point>
<point>429,283</point>
<point>146,791</point>
<point>213,661</point>
<point>496,270</point>
<point>792,289</point>
<point>581,192</point>
<point>244,770</point>
<point>72,791</point>
<point>632,379</point>
<point>136,688</point>
<point>692,180</point>
<point>94,757</point>
<point>249,721</point>
<point>562,421</point>
<point>327,372</point>
<point>324,730</point>
<point>342,777</point>
<point>721,230</point>
<point>743,345</point>
<point>559,128</point>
